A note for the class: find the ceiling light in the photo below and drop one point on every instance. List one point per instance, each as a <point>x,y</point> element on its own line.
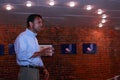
<point>104,16</point>
<point>89,7</point>
<point>99,11</point>
<point>8,7</point>
<point>103,21</point>
<point>51,3</point>
<point>28,3</point>
<point>117,28</point>
<point>72,4</point>
<point>100,25</point>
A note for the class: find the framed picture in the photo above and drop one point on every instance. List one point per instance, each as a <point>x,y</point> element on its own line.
<point>11,49</point>
<point>43,46</point>
<point>89,48</point>
<point>2,49</point>
<point>68,48</point>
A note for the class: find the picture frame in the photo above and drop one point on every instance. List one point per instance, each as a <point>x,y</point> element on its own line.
<point>11,49</point>
<point>68,49</point>
<point>89,48</point>
<point>2,48</point>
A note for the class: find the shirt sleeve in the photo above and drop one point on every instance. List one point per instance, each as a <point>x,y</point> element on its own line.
<point>21,49</point>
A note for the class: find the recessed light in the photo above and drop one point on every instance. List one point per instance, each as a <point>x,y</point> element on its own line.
<point>117,28</point>
<point>72,4</point>
<point>28,3</point>
<point>100,11</point>
<point>51,3</point>
<point>103,21</point>
<point>89,7</point>
<point>100,25</point>
<point>8,7</point>
<point>104,16</point>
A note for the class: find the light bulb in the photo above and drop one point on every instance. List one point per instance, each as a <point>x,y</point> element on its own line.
<point>51,3</point>
<point>8,7</point>
<point>89,7</point>
<point>28,3</point>
<point>100,25</point>
<point>103,21</point>
<point>100,11</point>
<point>72,4</point>
<point>104,16</point>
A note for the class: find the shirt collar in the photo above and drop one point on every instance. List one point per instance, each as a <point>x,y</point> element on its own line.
<point>29,32</point>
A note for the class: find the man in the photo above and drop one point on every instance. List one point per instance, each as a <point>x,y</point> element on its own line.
<point>28,51</point>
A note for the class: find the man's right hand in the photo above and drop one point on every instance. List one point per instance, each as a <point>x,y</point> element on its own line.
<point>46,50</point>
<point>43,52</point>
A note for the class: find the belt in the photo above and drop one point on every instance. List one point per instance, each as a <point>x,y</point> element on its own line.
<point>30,66</point>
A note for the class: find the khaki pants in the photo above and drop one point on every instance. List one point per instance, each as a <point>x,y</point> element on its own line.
<point>28,74</point>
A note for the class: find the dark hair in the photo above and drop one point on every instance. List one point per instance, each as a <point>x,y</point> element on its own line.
<point>32,17</point>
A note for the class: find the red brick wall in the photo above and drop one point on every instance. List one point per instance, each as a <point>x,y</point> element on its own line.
<point>101,66</point>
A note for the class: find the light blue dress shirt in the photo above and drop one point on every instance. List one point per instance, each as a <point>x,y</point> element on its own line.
<point>26,45</point>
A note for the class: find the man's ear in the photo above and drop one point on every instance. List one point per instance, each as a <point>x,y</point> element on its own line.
<point>31,24</point>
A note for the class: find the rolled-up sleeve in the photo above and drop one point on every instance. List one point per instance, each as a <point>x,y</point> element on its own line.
<point>21,49</point>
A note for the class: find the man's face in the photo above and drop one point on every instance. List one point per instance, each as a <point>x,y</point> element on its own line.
<point>37,24</point>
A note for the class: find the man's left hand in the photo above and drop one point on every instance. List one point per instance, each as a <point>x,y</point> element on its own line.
<point>46,74</point>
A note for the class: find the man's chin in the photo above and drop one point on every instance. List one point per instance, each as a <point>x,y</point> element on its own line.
<point>41,29</point>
